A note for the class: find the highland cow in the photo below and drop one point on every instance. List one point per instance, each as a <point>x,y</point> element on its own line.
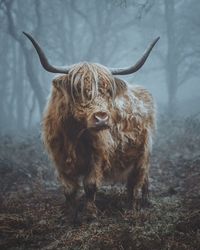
<point>97,128</point>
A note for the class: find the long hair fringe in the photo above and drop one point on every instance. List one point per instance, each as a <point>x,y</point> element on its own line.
<point>93,72</point>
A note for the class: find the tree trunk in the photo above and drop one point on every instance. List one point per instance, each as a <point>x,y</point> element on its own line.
<point>4,84</point>
<point>20,90</point>
<point>33,78</point>
<point>171,63</point>
<point>30,66</point>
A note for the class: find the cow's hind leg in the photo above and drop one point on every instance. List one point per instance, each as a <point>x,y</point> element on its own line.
<point>138,181</point>
<point>134,184</point>
<point>145,193</point>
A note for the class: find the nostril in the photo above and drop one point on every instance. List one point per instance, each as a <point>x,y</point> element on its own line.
<point>101,116</point>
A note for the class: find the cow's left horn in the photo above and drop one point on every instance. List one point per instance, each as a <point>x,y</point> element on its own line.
<point>138,65</point>
<point>43,59</point>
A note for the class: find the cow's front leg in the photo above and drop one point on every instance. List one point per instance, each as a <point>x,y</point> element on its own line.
<point>91,183</point>
<point>90,209</point>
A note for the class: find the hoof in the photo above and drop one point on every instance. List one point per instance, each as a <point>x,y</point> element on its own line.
<point>134,205</point>
<point>90,212</point>
<point>130,205</point>
<point>146,203</point>
<point>85,214</point>
<point>138,204</point>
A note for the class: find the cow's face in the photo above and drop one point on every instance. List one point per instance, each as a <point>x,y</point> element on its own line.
<point>92,92</point>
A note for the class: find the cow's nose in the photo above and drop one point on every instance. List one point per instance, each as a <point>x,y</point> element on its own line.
<point>101,117</point>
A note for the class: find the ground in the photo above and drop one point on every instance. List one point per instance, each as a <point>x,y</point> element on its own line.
<point>33,212</point>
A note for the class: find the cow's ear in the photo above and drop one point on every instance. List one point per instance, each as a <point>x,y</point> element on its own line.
<point>121,86</point>
<point>60,82</point>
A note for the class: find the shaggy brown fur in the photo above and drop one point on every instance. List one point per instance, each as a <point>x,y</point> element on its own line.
<point>119,151</point>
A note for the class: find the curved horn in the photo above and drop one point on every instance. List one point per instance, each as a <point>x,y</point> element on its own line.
<point>138,65</point>
<point>43,59</point>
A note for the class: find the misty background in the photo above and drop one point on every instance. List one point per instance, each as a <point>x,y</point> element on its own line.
<point>114,33</point>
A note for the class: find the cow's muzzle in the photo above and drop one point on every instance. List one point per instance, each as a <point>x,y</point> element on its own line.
<point>100,120</point>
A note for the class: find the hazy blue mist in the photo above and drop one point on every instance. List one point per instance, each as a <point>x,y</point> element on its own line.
<point>111,32</point>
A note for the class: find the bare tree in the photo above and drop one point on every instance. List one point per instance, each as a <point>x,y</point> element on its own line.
<point>171,56</point>
<point>30,68</point>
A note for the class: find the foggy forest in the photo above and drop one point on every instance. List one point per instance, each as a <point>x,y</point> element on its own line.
<point>114,33</point>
